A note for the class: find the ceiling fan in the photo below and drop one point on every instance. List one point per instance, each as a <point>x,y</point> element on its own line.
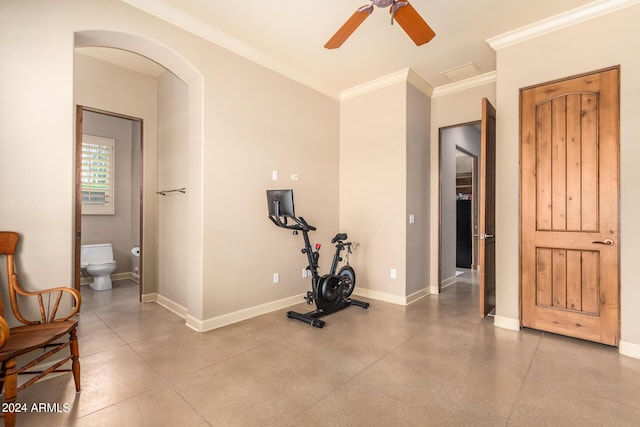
<point>401,11</point>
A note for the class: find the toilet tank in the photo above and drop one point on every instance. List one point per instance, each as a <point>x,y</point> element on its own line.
<point>96,254</point>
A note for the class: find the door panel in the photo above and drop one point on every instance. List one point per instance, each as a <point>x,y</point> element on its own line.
<point>487,229</point>
<point>78,201</point>
<point>569,207</point>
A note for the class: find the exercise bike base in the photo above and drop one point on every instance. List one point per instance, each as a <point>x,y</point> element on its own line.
<point>313,317</point>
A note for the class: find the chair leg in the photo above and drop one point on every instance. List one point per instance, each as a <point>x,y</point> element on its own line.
<point>10,392</point>
<point>75,355</point>
<point>3,370</point>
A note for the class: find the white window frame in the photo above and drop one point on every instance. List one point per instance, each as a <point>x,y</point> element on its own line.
<point>108,207</point>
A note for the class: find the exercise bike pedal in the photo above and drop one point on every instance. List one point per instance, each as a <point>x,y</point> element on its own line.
<point>310,298</point>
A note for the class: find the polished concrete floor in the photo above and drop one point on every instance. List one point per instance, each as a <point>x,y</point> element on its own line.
<point>432,363</point>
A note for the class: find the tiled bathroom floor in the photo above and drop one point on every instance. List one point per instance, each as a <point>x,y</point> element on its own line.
<point>431,363</point>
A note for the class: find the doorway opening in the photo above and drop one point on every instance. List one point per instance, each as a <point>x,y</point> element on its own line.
<point>459,206</point>
<point>466,211</point>
<point>120,227</point>
<point>191,285</point>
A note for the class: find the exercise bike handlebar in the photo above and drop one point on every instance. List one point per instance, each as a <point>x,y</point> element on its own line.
<point>300,223</point>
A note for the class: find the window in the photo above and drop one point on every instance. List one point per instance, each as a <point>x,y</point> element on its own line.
<point>98,175</point>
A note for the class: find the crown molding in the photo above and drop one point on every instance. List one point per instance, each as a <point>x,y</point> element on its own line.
<point>465,84</point>
<point>405,75</point>
<point>170,14</point>
<point>419,83</point>
<point>563,20</point>
<point>373,85</point>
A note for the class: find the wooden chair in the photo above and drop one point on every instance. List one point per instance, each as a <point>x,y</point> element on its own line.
<point>49,334</point>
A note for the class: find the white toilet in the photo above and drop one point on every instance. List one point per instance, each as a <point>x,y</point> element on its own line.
<point>99,263</point>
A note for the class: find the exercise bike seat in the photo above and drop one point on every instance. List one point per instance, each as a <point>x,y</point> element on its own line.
<point>339,237</point>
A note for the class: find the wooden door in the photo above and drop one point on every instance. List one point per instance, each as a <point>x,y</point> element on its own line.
<point>569,146</point>
<point>77,242</point>
<point>487,229</point>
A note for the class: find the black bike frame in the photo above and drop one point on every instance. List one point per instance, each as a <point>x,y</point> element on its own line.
<point>317,281</point>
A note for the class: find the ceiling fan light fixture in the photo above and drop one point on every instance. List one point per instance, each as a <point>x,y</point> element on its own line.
<point>383,3</point>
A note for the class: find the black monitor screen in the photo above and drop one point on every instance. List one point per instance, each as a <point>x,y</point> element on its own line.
<point>285,202</point>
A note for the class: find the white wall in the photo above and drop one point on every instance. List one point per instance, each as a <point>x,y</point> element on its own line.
<point>172,215</point>
<point>595,44</point>
<point>258,122</point>
<point>418,150</point>
<point>383,178</point>
<point>373,186</point>
<point>244,122</point>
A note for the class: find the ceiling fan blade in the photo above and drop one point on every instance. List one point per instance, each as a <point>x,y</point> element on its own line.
<point>348,28</point>
<point>413,24</point>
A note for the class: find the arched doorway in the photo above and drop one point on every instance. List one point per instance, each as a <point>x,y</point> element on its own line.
<point>186,72</point>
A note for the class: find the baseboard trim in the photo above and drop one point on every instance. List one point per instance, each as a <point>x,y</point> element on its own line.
<point>240,315</point>
<point>418,295</point>
<point>145,298</point>
<point>247,313</point>
<point>224,320</point>
<point>393,299</point>
<point>447,282</point>
<point>121,276</point>
<point>629,349</point>
<point>171,305</point>
<point>127,275</point>
<point>194,323</point>
<point>506,323</point>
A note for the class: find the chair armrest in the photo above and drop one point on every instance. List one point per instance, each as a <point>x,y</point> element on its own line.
<point>47,315</point>
<point>4,332</point>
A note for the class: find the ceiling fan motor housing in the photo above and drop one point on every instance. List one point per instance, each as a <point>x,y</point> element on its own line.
<point>382,3</point>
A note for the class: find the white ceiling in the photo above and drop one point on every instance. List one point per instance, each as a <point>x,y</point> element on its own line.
<point>289,36</point>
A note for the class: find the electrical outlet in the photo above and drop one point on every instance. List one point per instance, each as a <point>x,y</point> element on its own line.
<point>276,277</point>
<point>274,175</point>
<point>394,273</point>
<point>305,273</point>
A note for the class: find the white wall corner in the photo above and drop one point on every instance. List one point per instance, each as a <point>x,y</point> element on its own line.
<point>506,323</point>
<point>629,349</point>
<point>563,20</point>
<point>149,297</point>
<point>419,83</point>
<point>195,324</point>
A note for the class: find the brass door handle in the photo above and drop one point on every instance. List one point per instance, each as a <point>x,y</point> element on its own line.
<point>608,242</point>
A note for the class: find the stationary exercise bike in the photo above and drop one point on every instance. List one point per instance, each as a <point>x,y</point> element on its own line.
<point>330,292</point>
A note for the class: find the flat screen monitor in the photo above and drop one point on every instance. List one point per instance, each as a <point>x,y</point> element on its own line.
<point>284,199</point>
